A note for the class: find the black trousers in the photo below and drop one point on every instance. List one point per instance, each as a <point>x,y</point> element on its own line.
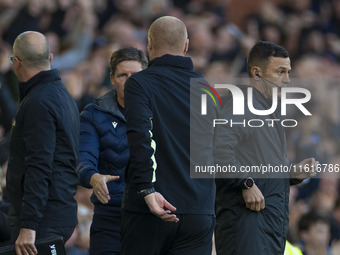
<point>150,235</point>
<point>105,235</point>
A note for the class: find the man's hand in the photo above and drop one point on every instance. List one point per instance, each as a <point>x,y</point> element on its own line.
<point>24,245</point>
<point>305,169</point>
<point>98,183</point>
<point>158,205</point>
<point>253,198</point>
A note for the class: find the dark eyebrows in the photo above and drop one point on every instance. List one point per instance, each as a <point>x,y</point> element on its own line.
<point>121,74</point>
<point>282,68</point>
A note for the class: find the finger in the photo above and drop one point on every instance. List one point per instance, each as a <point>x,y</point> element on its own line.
<point>170,218</point>
<point>252,206</point>
<point>257,206</point>
<point>24,250</point>
<point>31,250</point>
<point>102,188</point>
<point>169,206</point>
<point>111,178</point>
<point>103,192</point>
<point>18,250</point>
<point>34,249</point>
<point>159,212</point>
<point>107,193</point>
<point>28,249</point>
<point>167,215</point>
<point>308,160</point>
<point>102,197</point>
<point>108,198</point>
<point>164,214</point>
<point>263,204</point>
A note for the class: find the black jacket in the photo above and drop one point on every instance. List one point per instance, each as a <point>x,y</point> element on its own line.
<point>41,176</point>
<point>157,103</point>
<point>238,229</point>
<point>5,230</point>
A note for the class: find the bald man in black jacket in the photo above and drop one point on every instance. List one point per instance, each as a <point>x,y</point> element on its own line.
<point>41,176</point>
<point>165,211</point>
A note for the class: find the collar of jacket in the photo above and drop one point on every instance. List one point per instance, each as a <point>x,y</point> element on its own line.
<point>108,102</point>
<point>39,78</point>
<point>172,60</point>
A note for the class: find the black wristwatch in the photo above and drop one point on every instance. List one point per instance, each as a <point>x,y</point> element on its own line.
<point>248,183</point>
<point>145,192</point>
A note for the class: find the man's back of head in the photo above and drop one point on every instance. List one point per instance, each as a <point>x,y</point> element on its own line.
<point>167,35</point>
<point>32,50</point>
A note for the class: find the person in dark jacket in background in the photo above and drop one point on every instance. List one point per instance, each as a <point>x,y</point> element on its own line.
<point>158,181</point>
<point>41,177</point>
<point>252,215</point>
<point>104,152</point>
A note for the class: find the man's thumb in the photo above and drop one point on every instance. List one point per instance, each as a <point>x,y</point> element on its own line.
<point>112,178</point>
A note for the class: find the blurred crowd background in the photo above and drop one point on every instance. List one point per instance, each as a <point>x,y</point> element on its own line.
<point>84,33</point>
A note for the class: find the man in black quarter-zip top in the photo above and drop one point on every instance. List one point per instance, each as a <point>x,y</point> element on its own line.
<point>164,210</point>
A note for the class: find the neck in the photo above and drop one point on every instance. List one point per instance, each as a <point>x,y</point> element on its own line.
<point>29,73</point>
<point>120,101</point>
<point>158,54</point>
<point>265,90</point>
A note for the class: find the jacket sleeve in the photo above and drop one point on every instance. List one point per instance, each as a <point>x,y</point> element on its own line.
<point>5,230</point>
<point>39,134</point>
<point>142,165</point>
<point>227,139</point>
<point>89,148</point>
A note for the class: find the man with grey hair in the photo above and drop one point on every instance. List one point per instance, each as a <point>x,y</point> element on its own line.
<point>41,176</point>
<point>158,182</point>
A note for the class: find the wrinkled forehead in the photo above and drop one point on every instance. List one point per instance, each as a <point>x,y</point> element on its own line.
<point>279,63</point>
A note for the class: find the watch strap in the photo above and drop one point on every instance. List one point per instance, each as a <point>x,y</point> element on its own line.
<point>145,192</point>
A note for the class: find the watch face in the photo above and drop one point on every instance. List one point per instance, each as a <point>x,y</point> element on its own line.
<point>249,183</point>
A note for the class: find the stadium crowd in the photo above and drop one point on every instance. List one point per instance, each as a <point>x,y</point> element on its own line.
<point>84,33</point>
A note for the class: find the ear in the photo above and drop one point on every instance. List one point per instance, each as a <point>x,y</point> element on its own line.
<point>149,43</point>
<point>111,79</point>
<point>255,70</point>
<point>17,63</point>
<point>51,57</point>
<point>186,47</point>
